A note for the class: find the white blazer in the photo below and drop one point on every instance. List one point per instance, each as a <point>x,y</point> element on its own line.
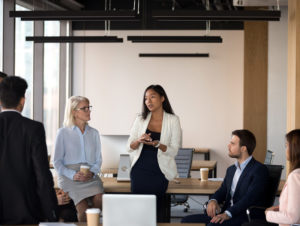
<point>170,136</point>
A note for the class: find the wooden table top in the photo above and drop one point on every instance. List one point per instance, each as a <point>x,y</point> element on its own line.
<point>201,150</point>
<point>190,186</point>
<point>109,170</point>
<point>197,164</point>
<point>181,186</point>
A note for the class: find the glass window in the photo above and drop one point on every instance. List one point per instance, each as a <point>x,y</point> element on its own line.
<point>1,36</point>
<point>51,83</point>
<point>24,58</point>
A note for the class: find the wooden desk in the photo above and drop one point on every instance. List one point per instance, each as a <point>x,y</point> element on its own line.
<point>211,165</point>
<point>204,151</point>
<point>113,171</point>
<point>185,186</point>
<point>190,186</point>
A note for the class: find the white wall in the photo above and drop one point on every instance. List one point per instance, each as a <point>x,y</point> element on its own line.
<point>277,88</point>
<point>206,93</point>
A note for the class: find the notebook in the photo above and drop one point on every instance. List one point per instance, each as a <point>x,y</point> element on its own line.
<point>129,210</point>
<point>124,168</point>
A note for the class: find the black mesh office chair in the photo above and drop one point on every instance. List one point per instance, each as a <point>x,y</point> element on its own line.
<point>257,212</point>
<point>184,162</point>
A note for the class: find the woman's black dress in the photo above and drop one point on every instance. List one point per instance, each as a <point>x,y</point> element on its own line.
<point>146,176</point>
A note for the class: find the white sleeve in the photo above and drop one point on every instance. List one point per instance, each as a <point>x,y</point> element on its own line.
<point>176,138</point>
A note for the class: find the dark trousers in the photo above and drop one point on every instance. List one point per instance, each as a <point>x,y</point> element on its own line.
<point>203,218</point>
<point>68,212</point>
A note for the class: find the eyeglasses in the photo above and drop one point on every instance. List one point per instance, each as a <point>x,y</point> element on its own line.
<point>85,109</point>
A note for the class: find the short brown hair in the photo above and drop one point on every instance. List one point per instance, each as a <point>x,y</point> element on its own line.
<point>247,139</point>
<point>293,139</point>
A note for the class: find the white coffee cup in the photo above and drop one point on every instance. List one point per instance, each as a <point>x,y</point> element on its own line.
<point>93,216</point>
<point>204,174</point>
<point>84,169</point>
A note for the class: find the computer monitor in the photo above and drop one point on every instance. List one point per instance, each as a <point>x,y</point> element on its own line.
<point>112,146</point>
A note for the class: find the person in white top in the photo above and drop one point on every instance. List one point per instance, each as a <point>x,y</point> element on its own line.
<point>288,211</point>
<point>154,139</point>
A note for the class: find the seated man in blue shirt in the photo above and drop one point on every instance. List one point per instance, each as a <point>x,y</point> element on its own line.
<point>243,185</point>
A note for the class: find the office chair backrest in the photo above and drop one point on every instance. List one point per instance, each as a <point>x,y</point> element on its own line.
<point>184,161</point>
<point>273,183</point>
<point>269,157</point>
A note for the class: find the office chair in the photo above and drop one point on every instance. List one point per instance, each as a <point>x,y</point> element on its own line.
<point>269,157</point>
<point>257,212</point>
<point>183,162</point>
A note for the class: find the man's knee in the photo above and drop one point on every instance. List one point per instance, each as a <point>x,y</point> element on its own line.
<point>197,218</point>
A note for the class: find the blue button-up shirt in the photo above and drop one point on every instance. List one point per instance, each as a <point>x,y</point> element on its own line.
<point>74,147</point>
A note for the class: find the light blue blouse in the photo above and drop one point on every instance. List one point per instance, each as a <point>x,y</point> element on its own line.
<point>73,147</point>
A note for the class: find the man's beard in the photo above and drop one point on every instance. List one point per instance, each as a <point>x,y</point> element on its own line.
<point>236,156</point>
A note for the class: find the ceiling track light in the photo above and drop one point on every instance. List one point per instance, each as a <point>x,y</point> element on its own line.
<point>175,39</point>
<point>174,55</point>
<point>72,39</point>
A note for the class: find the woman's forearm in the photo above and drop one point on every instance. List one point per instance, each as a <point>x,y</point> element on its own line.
<point>134,144</point>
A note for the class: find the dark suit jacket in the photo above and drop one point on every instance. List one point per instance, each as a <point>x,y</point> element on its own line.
<point>27,195</point>
<point>249,190</point>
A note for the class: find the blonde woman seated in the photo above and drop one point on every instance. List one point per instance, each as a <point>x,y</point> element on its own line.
<point>79,144</point>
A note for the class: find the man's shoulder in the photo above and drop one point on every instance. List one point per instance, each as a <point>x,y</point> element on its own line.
<point>258,164</point>
<point>31,123</point>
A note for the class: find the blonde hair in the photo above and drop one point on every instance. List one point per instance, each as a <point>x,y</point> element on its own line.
<point>71,105</point>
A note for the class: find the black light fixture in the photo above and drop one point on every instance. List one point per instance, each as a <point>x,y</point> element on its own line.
<point>216,15</point>
<point>188,39</point>
<point>65,39</point>
<point>160,15</point>
<point>87,15</point>
<point>174,55</point>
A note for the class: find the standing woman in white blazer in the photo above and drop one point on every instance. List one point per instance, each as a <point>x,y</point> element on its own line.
<point>154,139</point>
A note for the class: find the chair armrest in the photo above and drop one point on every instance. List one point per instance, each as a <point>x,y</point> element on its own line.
<point>256,212</point>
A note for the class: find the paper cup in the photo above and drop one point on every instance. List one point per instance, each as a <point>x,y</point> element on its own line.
<point>93,216</point>
<point>84,169</point>
<point>204,174</point>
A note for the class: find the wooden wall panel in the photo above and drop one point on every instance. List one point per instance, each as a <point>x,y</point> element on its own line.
<point>256,83</point>
<point>293,80</point>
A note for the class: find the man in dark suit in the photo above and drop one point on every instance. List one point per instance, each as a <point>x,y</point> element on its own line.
<point>27,195</point>
<point>243,185</point>
<point>2,76</point>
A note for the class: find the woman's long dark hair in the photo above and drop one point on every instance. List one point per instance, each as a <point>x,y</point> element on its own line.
<point>293,139</point>
<point>166,104</point>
